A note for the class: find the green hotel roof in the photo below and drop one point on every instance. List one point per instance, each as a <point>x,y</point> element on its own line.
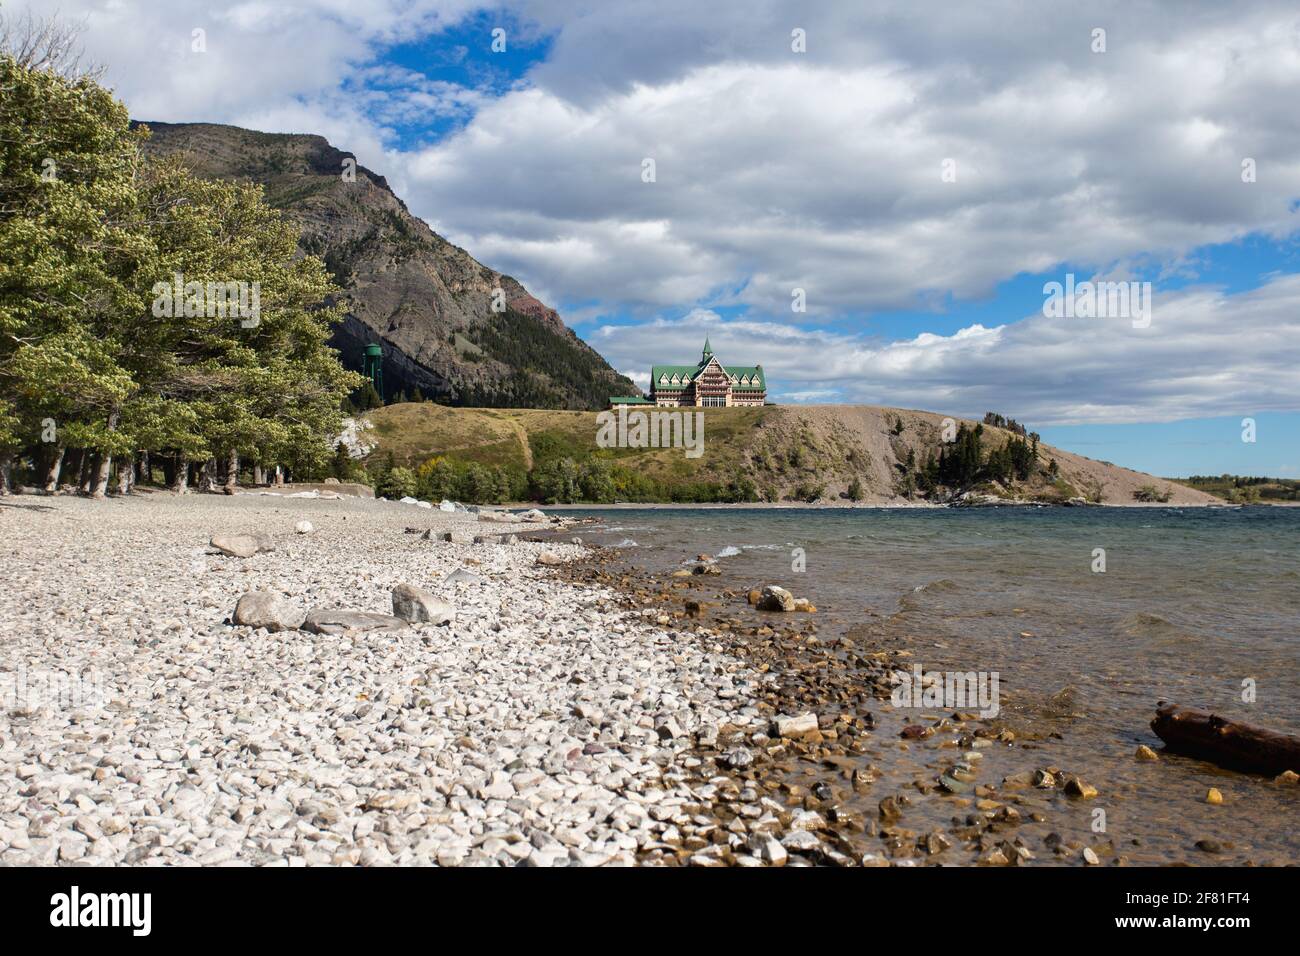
<point>690,371</point>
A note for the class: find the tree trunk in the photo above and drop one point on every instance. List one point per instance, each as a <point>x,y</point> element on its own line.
<point>52,475</point>
<point>126,475</point>
<point>6,464</point>
<point>181,484</point>
<point>146,468</point>
<point>207,478</point>
<point>106,461</point>
<point>102,475</point>
<point>232,472</point>
<point>89,468</point>
<point>259,474</point>
<point>279,476</point>
<point>1225,742</point>
<point>72,467</point>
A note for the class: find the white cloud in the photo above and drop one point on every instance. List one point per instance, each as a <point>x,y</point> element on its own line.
<point>775,170</point>
<point>827,177</point>
<point>262,62</point>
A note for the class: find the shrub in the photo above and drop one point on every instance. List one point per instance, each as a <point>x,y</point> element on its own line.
<point>557,481</point>
<point>397,483</point>
<point>1151,493</point>
<point>809,492</point>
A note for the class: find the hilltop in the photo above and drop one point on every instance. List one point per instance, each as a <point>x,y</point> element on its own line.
<point>426,301</point>
<point>809,453</point>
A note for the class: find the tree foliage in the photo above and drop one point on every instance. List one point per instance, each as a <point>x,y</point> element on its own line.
<point>90,233</point>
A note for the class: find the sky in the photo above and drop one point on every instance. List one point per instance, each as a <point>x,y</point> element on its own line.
<point>870,199</point>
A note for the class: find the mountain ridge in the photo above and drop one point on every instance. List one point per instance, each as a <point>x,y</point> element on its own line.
<point>427,302</point>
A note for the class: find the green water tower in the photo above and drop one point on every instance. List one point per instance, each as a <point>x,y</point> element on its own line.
<point>373,367</point>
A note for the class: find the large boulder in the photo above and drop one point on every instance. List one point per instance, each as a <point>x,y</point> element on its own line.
<point>499,517</point>
<point>549,559</point>
<point>533,516</point>
<point>327,621</point>
<point>236,545</point>
<point>776,598</point>
<point>263,609</point>
<point>419,606</point>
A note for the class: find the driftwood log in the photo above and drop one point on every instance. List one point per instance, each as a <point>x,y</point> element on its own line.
<point>1226,742</point>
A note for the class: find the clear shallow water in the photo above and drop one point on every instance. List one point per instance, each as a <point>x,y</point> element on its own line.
<point>1192,602</point>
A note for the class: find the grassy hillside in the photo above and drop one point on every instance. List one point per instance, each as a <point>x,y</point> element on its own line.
<point>827,453</point>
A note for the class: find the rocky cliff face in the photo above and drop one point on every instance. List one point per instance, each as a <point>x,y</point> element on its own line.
<point>427,302</point>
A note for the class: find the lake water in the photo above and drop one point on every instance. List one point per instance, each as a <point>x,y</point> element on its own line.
<point>1197,606</point>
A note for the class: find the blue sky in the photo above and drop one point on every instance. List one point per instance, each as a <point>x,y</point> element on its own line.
<point>1184,448</point>
<point>919,177</point>
<point>463,55</point>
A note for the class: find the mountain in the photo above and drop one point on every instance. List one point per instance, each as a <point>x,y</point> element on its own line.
<point>426,302</point>
<point>781,452</point>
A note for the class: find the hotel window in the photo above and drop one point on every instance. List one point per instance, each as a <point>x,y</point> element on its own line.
<point>714,401</point>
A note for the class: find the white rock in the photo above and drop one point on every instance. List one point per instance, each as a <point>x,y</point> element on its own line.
<point>262,609</point>
<point>795,726</point>
<point>419,606</point>
<point>768,849</point>
<point>800,841</point>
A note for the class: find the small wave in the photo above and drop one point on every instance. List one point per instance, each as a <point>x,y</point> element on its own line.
<point>627,543</point>
<point>1143,623</point>
<point>1156,629</point>
<point>728,552</point>
<point>939,586</point>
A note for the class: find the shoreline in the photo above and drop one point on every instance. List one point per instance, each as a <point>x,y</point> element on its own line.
<point>879,785</point>
<point>865,506</point>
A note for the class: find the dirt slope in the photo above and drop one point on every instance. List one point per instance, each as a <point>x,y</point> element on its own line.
<point>871,426</point>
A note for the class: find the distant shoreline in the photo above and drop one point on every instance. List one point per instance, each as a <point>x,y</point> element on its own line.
<point>922,506</point>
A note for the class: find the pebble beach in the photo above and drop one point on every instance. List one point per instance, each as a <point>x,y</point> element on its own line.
<point>543,726</point>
